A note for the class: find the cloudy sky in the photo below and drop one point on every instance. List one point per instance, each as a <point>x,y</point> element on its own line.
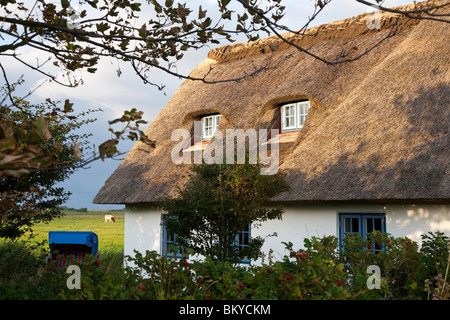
<point>115,94</point>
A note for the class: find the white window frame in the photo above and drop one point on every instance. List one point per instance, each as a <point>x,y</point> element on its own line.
<point>208,130</point>
<point>296,120</point>
<point>302,113</point>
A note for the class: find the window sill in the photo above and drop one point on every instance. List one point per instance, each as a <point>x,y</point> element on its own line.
<point>198,146</point>
<point>284,137</point>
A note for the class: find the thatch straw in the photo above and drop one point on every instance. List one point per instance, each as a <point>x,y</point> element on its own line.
<point>377,129</point>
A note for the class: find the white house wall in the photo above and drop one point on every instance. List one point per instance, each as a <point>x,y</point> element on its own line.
<point>142,229</point>
<point>305,221</point>
<point>143,224</point>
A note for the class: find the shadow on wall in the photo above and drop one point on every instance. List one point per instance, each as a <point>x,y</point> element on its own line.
<point>416,219</point>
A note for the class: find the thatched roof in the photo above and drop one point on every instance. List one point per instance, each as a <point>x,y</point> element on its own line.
<point>377,129</point>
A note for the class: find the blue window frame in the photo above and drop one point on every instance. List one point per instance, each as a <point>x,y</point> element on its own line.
<point>363,224</point>
<point>243,241</point>
<point>168,245</point>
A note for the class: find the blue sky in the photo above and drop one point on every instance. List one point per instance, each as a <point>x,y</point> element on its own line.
<point>115,94</point>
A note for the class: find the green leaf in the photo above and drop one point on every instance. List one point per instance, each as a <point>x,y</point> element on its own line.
<point>42,127</point>
<point>65,4</point>
<point>102,27</point>
<point>135,7</point>
<point>207,23</point>
<point>93,3</point>
<point>308,243</point>
<point>201,13</point>
<point>143,31</point>
<point>68,106</point>
<point>124,45</point>
<point>225,2</point>
<point>227,15</point>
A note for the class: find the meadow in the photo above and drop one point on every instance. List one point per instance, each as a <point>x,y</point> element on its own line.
<point>110,235</point>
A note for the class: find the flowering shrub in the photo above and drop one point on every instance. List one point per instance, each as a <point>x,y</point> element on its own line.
<point>321,270</point>
<point>310,273</point>
<point>161,277</point>
<point>398,259</point>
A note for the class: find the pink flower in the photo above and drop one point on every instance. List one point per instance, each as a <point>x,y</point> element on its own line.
<point>142,287</point>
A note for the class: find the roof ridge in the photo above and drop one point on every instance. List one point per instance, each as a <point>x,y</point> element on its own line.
<point>340,29</point>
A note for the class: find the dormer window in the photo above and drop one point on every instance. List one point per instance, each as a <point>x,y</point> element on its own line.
<point>209,125</point>
<point>293,115</point>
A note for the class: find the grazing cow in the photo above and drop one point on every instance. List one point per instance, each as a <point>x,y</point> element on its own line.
<point>109,218</point>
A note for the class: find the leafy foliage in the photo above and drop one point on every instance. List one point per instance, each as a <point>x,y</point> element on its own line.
<point>39,148</point>
<point>78,35</point>
<point>318,271</point>
<point>41,137</point>
<point>217,202</point>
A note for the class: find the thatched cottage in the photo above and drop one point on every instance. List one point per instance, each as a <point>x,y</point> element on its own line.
<point>365,144</point>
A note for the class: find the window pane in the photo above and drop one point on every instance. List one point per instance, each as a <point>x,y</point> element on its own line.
<point>294,115</point>
<point>355,225</point>
<point>209,125</point>
<point>302,120</point>
<point>243,239</point>
<point>369,225</point>
<point>168,241</point>
<point>378,224</point>
<point>352,224</point>
<point>288,116</point>
<point>218,120</point>
<point>303,108</point>
<point>347,225</point>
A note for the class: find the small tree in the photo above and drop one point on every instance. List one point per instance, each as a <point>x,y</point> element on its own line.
<point>217,202</point>
<point>34,141</point>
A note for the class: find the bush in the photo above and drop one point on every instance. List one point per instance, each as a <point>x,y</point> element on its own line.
<point>319,271</point>
<point>311,273</point>
<point>404,268</point>
<point>23,272</point>
<point>26,274</point>
<point>398,260</point>
<point>159,277</point>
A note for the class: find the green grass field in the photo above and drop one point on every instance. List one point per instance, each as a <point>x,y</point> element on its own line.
<point>110,235</point>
